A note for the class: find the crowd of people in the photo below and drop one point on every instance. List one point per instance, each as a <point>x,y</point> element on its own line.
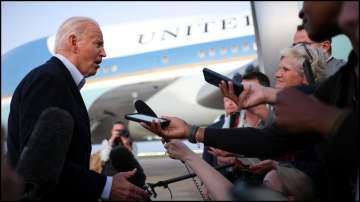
<point>314,127</point>
<point>298,140</point>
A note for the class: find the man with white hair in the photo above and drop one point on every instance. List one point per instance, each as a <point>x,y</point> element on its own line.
<point>79,49</point>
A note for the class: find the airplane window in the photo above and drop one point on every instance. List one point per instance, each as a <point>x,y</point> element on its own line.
<point>212,52</point>
<point>105,69</point>
<point>234,48</point>
<point>245,46</point>
<point>201,53</point>
<point>165,59</point>
<point>114,68</point>
<point>134,94</point>
<point>223,51</point>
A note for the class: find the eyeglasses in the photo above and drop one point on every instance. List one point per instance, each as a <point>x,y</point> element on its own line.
<point>305,42</point>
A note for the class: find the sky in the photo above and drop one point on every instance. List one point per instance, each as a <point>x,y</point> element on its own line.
<point>22,21</point>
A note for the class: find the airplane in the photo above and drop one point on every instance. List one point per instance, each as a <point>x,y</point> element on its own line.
<point>157,61</point>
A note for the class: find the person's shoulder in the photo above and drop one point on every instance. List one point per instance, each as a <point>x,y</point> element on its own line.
<point>339,62</point>
<point>49,71</point>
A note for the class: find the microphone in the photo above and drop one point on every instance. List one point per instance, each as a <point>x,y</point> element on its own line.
<point>42,160</point>
<point>123,160</point>
<point>143,108</point>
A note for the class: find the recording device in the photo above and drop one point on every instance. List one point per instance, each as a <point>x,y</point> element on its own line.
<point>143,108</point>
<point>248,161</point>
<point>138,117</point>
<point>215,78</point>
<point>150,187</point>
<point>123,160</point>
<point>43,157</point>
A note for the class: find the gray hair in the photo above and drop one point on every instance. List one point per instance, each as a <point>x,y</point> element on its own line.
<point>317,59</point>
<point>74,25</point>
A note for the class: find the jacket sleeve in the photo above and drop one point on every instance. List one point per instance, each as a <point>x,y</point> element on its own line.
<point>263,143</point>
<point>343,146</point>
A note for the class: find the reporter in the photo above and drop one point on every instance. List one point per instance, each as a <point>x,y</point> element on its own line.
<point>290,73</point>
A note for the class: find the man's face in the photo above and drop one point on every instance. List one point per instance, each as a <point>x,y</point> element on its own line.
<point>287,74</point>
<point>320,19</point>
<point>90,50</point>
<point>116,128</point>
<point>229,106</point>
<point>302,37</point>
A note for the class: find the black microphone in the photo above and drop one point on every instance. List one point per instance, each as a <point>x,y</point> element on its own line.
<point>42,160</point>
<point>143,108</point>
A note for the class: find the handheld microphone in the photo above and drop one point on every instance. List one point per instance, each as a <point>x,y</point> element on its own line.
<point>42,160</point>
<point>143,108</point>
<point>123,160</point>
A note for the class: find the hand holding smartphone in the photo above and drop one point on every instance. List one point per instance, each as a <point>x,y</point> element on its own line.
<point>215,78</point>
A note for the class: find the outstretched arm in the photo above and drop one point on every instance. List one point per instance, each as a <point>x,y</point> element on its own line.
<point>218,186</point>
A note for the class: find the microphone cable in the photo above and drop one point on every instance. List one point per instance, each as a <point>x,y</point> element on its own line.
<point>198,187</point>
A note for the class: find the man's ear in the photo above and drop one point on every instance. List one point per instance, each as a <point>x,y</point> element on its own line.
<point>73,42</point>
<point>326,46</point>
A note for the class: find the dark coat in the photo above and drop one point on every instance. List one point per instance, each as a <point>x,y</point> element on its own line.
<point>51,84</point>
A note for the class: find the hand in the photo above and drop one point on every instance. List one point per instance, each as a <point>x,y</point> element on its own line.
<point>177,129</point>
<point>227,90</point>
<point>122,189</point>
<point>178,150</point>
<point>225,160</point>
<point>255,94</point>
<point>263,166</point>
<point>301,113</point>
<point>219,153</point>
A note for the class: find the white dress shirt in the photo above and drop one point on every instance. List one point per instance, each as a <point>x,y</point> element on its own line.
<point>75,73</point>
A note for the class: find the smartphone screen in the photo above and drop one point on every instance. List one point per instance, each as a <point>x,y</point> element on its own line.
<point>145,118</point>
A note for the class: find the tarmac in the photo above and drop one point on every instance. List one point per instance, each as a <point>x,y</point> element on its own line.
<point>164,168</point>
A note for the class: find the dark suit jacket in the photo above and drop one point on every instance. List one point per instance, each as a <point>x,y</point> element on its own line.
<point>49,85</point>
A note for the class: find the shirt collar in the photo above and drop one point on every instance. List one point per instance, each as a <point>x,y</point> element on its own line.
<point>75,73</point>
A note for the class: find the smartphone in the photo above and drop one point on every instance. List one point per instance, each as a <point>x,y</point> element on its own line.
<point>137,117</point>
<point>215,78</point>
<point>248,161</point>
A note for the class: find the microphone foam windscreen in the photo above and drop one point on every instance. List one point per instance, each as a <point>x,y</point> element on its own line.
<point>123,160</point>
<point>143,108</point>
<point>43,157</point>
